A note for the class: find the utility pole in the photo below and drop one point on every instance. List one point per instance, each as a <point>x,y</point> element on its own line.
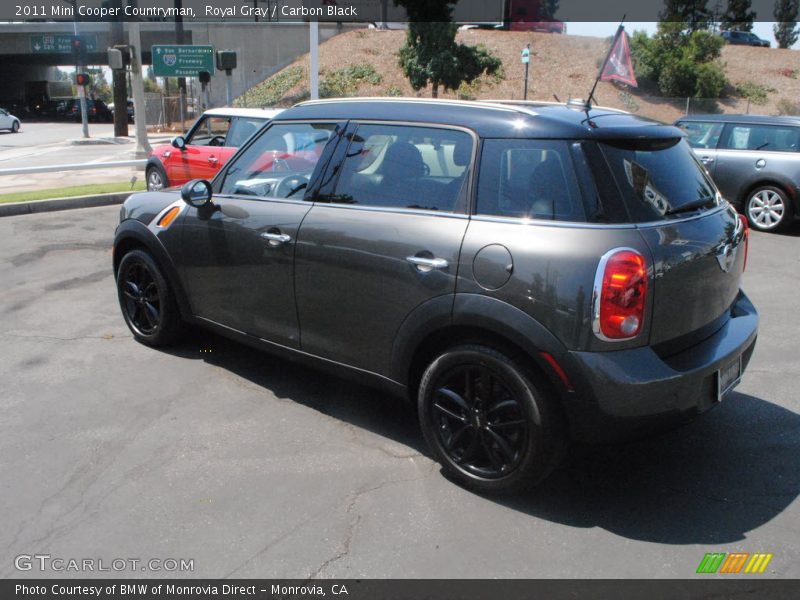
<point>118,78</point>
<point>313,42</point>
<point>143,148</point>
<point>179,39</point>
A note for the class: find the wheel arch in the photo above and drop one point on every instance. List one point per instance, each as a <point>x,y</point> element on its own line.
<point>133,235</point>
<point>477,319</point>
<point>784,185</point>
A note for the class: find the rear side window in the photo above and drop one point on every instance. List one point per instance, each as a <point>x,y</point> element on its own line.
<point>702,134</point>
<point>404,167</point>
<point>658,180</point>
<point>772,138</point>
<point>532,179</point>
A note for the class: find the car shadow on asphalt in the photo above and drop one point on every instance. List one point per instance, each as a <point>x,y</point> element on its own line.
<point>709,482</point>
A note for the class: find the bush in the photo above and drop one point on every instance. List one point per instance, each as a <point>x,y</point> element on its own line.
<point>269,92</point>
<point>393,90</point>
<point>755,93</point>
<point>345,81</point>
<point>679,62</point>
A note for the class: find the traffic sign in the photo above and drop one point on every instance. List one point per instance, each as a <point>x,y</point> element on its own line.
<point>60,43</point>
<point>526,56</point>
<point>182,61</point>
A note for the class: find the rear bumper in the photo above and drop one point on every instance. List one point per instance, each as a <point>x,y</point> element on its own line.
<point>631,392</point>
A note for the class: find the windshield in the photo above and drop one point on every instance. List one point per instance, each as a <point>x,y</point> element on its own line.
<point>659,180</point>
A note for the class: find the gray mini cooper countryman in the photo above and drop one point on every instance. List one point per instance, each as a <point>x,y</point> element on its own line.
<point>526,274</point>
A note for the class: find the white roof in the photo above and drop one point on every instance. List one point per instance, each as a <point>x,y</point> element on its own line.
<point>263,113</point>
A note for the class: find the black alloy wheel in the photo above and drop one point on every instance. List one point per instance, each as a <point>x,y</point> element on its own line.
<point>479,423</point>
<point>491,422</point>
<point>146,300</point>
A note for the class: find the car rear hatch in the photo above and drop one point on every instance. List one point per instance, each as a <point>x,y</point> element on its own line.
<point>697,241</point>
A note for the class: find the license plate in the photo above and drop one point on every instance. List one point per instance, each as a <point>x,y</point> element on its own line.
<point>728,377</point>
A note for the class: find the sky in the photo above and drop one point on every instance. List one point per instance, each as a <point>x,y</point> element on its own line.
<point>762,29</point>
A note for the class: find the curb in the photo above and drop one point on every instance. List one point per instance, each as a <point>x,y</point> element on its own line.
<point>39,206</point>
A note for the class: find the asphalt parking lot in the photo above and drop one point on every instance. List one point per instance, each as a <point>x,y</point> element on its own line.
<point>255,467</point>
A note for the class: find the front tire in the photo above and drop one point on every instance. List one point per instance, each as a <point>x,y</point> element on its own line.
<point>15,127</point>
<point>491,423</point>
<point>156,178</point>
<point>146,299</point>
<point>768,208</point>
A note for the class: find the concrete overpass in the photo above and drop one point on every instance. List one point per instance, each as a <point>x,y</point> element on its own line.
<point>263,48</point>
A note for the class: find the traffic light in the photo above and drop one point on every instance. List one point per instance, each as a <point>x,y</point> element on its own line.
<point>81,79</point>
<point>78,50</point>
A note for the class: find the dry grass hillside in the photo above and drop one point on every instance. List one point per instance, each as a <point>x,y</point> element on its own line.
<point>364,63</point>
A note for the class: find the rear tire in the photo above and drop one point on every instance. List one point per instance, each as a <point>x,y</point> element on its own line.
<point>156,178</point>
<point>147,301</point>
<point>768,208</point>
<point>491,423</point>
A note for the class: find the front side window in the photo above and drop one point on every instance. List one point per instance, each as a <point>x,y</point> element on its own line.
<point>404,167</point>
<point>658,178</point>
<point>210,131</point>
<point>771,138</point>
<point>702,134</point>
<point>279,162</point>
<point>532,179</point>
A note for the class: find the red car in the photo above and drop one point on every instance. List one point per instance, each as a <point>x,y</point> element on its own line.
<point>211,141</point>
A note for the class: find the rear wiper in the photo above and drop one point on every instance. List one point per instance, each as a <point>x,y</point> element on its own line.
<point>693,205</point>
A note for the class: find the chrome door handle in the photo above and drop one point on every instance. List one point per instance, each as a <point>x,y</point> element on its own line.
<point>276,239</point>
<point>706,160</point>
<point>427,264</point>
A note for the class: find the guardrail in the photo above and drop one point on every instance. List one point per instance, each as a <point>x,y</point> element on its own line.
<point>74,167</point>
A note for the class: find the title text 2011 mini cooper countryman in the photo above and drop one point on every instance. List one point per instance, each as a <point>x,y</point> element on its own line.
<point>528,274</point>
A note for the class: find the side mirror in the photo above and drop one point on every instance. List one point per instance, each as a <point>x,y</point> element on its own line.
<point>179,142</point>
<point>196,192</point>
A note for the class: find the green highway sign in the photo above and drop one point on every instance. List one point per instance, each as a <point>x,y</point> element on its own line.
<point>60,43</point>
<point>182,61</point>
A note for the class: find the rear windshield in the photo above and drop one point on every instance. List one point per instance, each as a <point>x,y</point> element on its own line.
<point>659,180</point>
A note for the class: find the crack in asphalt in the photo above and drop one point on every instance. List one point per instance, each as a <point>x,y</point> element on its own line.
<point>350,532</point>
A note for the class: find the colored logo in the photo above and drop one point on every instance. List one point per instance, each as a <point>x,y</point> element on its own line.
<point>735,562</point>
<point>170,59</point>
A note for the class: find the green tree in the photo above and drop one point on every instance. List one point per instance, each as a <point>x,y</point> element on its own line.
<point>693,14</point>
<point>785,28</point>
<point>549,9</point>
<point>430,54</point>
<point>680,62</point>
<point>738,17</point>
<point>98,86</point>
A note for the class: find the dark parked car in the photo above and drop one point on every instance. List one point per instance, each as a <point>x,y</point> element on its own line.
<point>755,161</point>
<point>526,274</point>
<point>744,38</point>
<point>96,109</point>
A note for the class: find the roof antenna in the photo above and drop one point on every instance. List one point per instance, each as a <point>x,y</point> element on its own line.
<point>620,31</point>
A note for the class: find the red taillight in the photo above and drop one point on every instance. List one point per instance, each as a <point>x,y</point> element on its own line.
<point>620,294</point>
<point>743,219</point>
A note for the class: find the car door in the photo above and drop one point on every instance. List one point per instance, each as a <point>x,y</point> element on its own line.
<point>381,241</point>
<point>5,120</point>
<point>703,137</point>
<point>238,260</point>
<point>200,158</point>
